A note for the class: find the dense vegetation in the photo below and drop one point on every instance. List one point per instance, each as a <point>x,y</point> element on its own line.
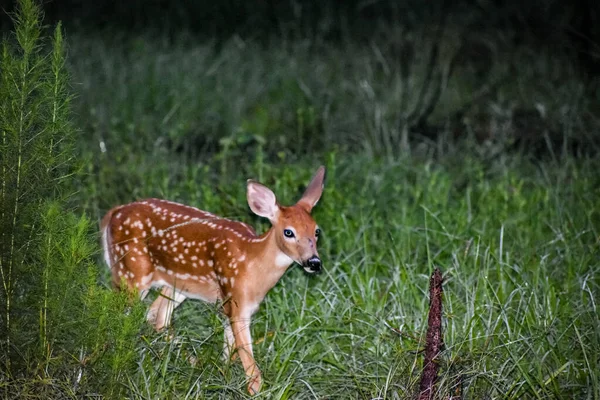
<point>443,149</point>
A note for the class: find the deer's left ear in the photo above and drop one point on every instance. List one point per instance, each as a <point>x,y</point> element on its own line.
<point>313,192</point>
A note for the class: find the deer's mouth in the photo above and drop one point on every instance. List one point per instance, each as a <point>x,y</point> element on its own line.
<point>313,265</point>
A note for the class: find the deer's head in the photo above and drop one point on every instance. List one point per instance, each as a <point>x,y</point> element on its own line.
<point>296,232</point>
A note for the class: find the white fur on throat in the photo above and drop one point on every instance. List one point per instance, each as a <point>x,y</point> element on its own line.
<point>282,260</point>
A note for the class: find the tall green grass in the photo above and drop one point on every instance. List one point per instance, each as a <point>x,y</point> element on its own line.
<point>518,243</point>
<point>517,238</point>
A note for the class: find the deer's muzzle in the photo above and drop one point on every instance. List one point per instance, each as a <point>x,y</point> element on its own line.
<point>313,265</point>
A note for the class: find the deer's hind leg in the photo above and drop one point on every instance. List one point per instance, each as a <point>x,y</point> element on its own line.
<point>160,312</point>
<point>132,269</point>
<point>229,353</point>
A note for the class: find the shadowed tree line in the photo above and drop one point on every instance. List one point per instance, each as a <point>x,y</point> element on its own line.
<point>573,24</point>
<point>463,38</point>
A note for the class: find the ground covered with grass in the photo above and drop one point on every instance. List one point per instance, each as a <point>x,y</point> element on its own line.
<point>517,242</point>
<point>412,184</point>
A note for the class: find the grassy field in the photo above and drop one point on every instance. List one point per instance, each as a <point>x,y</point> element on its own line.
<point>517,237</point>
<point>518,244</point>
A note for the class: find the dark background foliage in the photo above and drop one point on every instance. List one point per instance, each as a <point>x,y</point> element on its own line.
<point>488,33</point>
<point>570,24</point>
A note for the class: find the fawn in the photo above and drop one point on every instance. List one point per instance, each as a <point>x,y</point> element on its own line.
<point>196,254</point>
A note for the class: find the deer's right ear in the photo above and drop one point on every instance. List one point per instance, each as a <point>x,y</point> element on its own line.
<point>261,200</point>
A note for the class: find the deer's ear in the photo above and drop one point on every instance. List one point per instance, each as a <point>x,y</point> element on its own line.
<point>261,200</point>
<point>314,190</point>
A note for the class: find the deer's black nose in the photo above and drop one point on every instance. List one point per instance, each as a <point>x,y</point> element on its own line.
<point>313,265</point>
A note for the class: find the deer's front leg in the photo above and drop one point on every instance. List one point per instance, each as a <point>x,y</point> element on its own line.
<point>240,325</point>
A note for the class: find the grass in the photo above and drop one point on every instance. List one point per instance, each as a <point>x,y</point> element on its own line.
<point>517,237</point>
<point>518,243</point>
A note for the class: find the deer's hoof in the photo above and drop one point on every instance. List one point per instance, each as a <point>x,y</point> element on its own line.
<point>254,385</point>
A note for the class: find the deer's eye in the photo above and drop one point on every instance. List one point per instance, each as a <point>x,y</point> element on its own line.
<point>288,233</point>
<point>317,232</point>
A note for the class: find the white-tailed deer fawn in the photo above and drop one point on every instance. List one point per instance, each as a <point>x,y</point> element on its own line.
<point>193,253</point>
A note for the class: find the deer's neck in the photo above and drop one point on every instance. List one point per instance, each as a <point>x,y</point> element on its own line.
<point>267,263</point>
